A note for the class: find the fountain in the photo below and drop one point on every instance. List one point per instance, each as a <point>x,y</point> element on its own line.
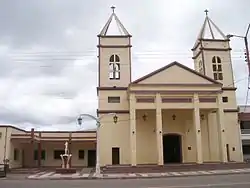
<point>66,162</point>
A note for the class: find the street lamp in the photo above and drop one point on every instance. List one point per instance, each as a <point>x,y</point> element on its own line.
<point>98,124</point>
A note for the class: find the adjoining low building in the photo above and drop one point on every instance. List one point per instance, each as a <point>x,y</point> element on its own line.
<point>244,119</point>
<point>30,149</point>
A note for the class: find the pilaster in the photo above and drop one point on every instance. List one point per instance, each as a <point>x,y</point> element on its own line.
<point>132,113</point>
<point>197,130</point>
<point>159,129</point>
<point>221,130</point>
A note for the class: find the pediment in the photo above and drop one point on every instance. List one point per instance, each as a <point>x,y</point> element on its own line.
<point>175,73</point>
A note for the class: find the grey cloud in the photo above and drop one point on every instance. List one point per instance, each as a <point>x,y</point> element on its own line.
<point>46,92</point>
<point>41,22</point>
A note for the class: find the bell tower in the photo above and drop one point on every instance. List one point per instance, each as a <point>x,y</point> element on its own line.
<point>114,54</point>
<point>212,53</point>
<point>212,57</point>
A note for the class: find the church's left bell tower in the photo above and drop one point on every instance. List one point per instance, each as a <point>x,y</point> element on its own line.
<point>114,54</point>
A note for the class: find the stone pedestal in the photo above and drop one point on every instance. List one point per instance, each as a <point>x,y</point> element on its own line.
<point>66,167</point>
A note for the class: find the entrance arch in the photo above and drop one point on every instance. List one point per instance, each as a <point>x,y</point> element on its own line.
<point>172,148</point>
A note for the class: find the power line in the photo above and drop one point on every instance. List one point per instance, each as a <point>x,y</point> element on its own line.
<point>105,99</point>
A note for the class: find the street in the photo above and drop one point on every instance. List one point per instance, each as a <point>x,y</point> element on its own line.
<point>219,181</point>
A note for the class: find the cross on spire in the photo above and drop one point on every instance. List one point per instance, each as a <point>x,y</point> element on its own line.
<point>113,9</point>
<point>206,12</point>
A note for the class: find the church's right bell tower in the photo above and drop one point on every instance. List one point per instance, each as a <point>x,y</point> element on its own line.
<point>212,58</point>
<point>212,53</point>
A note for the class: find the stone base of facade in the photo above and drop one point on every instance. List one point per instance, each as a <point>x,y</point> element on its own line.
<point>173,167</point>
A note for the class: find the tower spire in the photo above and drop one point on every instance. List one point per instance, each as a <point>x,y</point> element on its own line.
<point>210,30</point>
<point>113,26</point>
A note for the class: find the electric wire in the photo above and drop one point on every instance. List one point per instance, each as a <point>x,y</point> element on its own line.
<point>183,105</point>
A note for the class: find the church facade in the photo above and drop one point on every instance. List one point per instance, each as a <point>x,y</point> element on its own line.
<point>172,115</point>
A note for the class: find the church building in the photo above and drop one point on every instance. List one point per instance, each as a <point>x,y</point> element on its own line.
<point>174,114</point>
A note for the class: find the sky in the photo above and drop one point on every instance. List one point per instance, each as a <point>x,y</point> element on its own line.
<point>48,53</point>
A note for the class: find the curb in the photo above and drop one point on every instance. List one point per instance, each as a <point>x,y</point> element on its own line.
<point>135,177</point>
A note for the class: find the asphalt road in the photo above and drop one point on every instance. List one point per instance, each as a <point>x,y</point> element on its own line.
<point>219,181</point>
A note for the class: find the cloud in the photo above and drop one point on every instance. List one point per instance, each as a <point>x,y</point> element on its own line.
<point>48,54</point>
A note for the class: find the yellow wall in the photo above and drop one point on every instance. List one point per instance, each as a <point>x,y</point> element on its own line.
<point>114,135</point>
<point>103,100</point>
<point>124,55</point>
<point>233,131</point>
<point>146,138</point>
<point>4,142</point>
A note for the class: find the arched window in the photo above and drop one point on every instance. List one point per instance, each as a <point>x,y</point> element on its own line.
<point>114,58</point>
<point>114,67</point>
<point>200,67</point>
<point>217,68</point>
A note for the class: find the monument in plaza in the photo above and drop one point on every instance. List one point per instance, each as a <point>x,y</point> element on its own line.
<point>66,162</point>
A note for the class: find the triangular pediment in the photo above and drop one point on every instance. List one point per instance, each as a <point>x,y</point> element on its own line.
<point>175,73</point>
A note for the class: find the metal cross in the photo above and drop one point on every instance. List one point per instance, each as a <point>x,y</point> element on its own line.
<point>113,9</point>
<point>206,11</point>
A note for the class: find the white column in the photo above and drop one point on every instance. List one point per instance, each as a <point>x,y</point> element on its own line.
<point>159,129</point>
<point>197,130</point>
<point>221,130</point>
<point>132,113</point>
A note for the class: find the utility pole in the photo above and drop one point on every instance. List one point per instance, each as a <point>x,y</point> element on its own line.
<point>247,50</point>
<point>247,56</point>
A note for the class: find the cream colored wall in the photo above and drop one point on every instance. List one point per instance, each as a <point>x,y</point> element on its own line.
<point>232,103</point>
<point>146,150</point>
<point>196,51</point>
<point>123,53</point>
<point>114,135</point>
<point>213,137</point>
<point>228,80</point>
<point>233,131</point>
<point>4,141</point>
<point>111,41</point>
<point>15,163</point>
<point>10,146</point>
<point>215,44</point>
<point>49,148</point>
<point>103,100</point>
<point>182,125</point>
<point>169,76</point>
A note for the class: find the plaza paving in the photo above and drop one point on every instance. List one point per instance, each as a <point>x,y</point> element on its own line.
<point>83,175</point>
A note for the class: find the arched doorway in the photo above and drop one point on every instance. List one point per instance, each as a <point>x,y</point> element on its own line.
<point>172,148</point>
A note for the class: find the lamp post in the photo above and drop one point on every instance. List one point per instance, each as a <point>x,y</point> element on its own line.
<point>247,56</point>
<point>98,124</point>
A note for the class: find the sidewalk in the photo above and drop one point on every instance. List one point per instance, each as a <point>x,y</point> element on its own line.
<point>79,175</point>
